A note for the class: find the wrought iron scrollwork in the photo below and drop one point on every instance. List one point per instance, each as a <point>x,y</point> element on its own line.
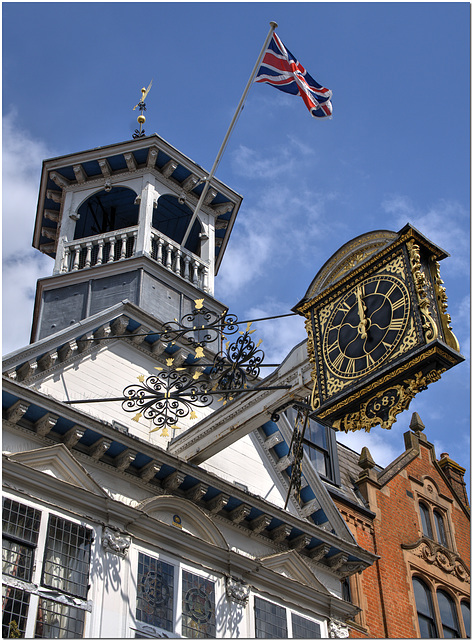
<point>238,364</point>
<point>200,327</point>
<point>165,398</point>
<point>296,450</point>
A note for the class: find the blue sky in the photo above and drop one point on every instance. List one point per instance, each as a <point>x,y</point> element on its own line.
<point>395,151</point>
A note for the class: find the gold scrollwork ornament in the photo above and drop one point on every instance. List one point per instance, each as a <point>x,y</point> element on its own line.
<point>429,326</point>
<point>384,407</point>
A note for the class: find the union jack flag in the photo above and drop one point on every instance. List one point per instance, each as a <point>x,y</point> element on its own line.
<point>282,70</point>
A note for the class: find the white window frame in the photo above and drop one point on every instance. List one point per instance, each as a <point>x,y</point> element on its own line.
<point>288,612</point>
<point>34,586</point>
<point>135,626</point>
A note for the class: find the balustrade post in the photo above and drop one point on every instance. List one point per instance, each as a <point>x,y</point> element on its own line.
<point>205,279</point>
<point>160,242</point>
<point>186,267</point>
<point>123,237</point>
<point>169,256</point>
<point>195,273</point>
<point>75,266</point>
<point>178,255</point>
<point>88,255</point>
<point>101,242</point>
<point>65,260</point>
<point>111,255</point>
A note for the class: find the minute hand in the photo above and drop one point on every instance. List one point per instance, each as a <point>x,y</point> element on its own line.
<point>362,327</point>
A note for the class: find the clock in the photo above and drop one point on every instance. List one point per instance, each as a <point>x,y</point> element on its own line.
<point>365,326</point>
<point>378,331</point>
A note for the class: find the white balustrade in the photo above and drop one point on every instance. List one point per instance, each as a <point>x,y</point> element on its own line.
<point>101,249</point>
<point>119,245</point>
<point>178,260</point>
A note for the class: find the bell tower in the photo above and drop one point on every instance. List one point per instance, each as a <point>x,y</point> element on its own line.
<point>113,220</point>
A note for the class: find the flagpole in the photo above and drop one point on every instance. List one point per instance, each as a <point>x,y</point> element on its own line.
<point>273,26</point>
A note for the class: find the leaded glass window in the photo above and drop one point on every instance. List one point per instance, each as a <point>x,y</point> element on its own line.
<point>155,593</point>
<point>67,557</point>
<point>15,603</point>
<point>57,620</point>
<point>424,609</point>
<point>305,628</point>
<point>20,536</point>
<point>271,619</point>
<point>447,612</point>
<point>198,606</point>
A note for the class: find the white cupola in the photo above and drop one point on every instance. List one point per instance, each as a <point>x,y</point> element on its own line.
<point>113,219</point>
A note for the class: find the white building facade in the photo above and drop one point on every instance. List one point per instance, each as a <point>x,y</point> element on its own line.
<point>110,529</point>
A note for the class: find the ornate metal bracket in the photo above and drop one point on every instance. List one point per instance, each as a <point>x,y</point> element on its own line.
<point>296,449</point>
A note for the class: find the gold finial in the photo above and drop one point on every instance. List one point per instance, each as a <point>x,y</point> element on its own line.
<point>139,133</point>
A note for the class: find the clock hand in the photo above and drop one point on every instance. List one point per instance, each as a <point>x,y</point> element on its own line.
<point>364,322</point>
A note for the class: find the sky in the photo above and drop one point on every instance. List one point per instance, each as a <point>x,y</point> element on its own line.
<point>395,151</point>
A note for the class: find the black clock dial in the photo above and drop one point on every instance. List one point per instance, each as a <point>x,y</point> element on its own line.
<point>366,325</point>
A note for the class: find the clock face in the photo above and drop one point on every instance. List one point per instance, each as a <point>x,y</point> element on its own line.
<point>365,326</point>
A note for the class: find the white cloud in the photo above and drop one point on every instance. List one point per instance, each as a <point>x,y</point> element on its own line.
<point>443,223</point>
<point>280,225</point>
<point>22,265</point>
<point>383,445</point>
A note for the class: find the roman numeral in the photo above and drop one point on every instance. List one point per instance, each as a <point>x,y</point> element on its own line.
<point>369,359</point>
<point>344,307</point>
<point>397,304</point>
<point>332,347</point>
<point>396,324</point>
<point>337,361</point>
<point>350,366</point>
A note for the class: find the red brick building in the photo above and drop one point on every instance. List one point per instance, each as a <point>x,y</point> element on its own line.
<point>415,516</point>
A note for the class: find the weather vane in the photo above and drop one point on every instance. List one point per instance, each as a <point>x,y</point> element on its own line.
<point>139,133</point>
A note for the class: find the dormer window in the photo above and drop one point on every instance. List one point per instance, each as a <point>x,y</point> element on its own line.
<point>107,211</point>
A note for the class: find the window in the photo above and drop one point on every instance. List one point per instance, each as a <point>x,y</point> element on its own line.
<point>155,594</point>
<point>60,563</point>
<point>425,521</point>
<point>465,611</point>
<point>274,621</point>
<point>319,445</point>
<point>67,557</point>
<point>159,609</point>
<point>56,620</point>
<point>439,611</point>
<point>424,609</point>
<point>20,535</point>
<point>433,523</point>
<point>440,528</point>
<point>448,615</point>
<point>198,606</point>
<point>107,211</point>
<point>172,218</point>
<point>271,620</point>
<point>15,603</point>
